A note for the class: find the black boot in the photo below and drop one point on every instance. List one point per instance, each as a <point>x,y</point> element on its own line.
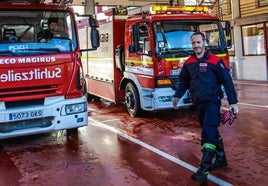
<point>204,167</point>
<point>220,161</point>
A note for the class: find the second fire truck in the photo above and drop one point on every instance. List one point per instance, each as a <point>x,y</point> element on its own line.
<point>141,55</point>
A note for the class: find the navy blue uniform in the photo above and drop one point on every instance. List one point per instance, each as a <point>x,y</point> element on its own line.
<point>44,34</point>
<point>204,77</point>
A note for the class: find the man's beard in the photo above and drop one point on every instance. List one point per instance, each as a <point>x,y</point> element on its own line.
<point>199,50</point>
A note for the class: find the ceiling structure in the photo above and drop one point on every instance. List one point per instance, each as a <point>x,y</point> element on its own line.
<point>131,2</point>
<point>144,2</point>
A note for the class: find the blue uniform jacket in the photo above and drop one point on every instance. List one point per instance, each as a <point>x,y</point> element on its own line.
<point>204,77</point>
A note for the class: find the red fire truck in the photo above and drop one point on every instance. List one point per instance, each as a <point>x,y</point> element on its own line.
<point>141,54</point>
<point>40,82</point>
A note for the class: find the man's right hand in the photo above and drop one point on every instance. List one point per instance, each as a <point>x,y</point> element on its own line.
<point>175,102</point>
<point>235,107</point>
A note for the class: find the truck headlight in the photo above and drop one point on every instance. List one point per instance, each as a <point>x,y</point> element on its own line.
<point>75,108</point>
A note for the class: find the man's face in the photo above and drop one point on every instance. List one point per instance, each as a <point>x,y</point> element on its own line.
<point>53,26</point>
<point>198,44</point>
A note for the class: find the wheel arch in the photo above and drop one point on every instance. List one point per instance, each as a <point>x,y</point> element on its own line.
<point>129,77</point>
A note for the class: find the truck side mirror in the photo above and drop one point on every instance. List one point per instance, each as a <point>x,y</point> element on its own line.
<point>134,47</point>
<point>229,44</point>
<point>94,34</point>
<point>227,28</point>
<point>95,38</point>
<point>228,34</point>
<point>135,34</point>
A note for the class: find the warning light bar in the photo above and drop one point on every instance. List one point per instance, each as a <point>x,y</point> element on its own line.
<point>161,9</point>
<point>180,8</point>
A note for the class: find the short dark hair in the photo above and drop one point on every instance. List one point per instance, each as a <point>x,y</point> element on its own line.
<point>52,20</point>
<point>199,33</point>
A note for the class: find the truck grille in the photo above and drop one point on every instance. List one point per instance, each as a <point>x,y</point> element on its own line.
<point>15,93</point>
<point>175,82</point>
<point>26,124</point>
<point>25,103</point>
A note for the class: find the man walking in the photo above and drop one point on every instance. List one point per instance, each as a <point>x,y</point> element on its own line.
<point>203,74</point>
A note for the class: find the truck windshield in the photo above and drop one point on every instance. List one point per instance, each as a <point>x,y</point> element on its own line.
<point>173,37</point>
<point>20,32</point>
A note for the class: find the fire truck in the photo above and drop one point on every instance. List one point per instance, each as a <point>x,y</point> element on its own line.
<point>40,82</point>
<point>141,54</point>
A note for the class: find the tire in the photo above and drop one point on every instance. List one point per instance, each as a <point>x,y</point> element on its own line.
<point>90,97</point>
<point>72,131</point>
<point>132,100</point>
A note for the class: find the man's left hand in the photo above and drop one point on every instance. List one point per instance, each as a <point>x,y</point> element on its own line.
<point>175,102</point>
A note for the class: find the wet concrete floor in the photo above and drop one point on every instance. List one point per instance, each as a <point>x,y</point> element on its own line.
<point>158,148</point>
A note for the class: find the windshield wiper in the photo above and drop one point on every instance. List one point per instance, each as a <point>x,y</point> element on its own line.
<point>41,50</point>
<point>7,53</point>
<point>179,51</point>
<point>30,51</point>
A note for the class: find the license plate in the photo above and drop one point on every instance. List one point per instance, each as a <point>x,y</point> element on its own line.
<point>25,115</point>
<point>175,72</point>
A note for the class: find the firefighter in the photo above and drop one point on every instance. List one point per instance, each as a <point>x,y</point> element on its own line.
<point>203,73</point>
<point>46,34</point>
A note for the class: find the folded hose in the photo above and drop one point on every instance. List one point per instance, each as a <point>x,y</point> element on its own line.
<point>228,116</point>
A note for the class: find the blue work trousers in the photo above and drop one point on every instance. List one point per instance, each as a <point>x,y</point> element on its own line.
<point>209,118</point>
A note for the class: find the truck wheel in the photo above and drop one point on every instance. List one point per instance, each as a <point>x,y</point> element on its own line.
<point>132,100</point>
<point>72,131</point>
<point>91,97</point>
